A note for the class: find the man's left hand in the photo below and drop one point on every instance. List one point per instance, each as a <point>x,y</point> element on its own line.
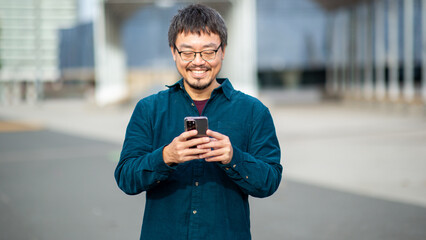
<point>221,148</point>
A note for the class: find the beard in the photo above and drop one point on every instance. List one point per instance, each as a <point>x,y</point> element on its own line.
<point>199,86</point>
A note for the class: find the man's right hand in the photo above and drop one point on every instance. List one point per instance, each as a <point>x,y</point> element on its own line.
<point>179,150</point>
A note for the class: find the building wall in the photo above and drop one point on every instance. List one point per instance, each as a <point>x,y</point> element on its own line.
<point>376,51</point>
<point>291,35</point>
<point>29,38</point>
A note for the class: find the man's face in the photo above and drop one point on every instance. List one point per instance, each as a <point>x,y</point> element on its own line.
<point>198,74</point>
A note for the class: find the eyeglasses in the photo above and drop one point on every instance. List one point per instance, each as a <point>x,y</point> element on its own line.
<point>206,55</point>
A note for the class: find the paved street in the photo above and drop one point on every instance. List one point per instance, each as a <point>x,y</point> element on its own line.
<point>350,173</point>
<point>55,186</point>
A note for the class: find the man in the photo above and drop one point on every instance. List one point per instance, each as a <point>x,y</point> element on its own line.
<point>197,188</point>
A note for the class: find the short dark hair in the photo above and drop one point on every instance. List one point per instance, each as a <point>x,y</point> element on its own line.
<point>197,18</point>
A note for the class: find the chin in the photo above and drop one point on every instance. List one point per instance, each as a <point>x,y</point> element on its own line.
<point>199,84</point>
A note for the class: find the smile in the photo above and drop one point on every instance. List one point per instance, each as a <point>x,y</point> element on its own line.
<point>198,72</point>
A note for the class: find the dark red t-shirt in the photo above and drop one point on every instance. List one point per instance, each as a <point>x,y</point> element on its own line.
<point>200,105</point>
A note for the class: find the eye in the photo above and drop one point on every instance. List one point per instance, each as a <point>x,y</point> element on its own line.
<point>187,54</point>
<point>208,53</point>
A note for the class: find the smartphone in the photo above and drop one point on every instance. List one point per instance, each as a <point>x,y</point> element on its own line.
<point>200,123</point>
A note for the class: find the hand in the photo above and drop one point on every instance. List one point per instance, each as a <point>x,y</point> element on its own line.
<point>179,150</point>
<point>222,148</point>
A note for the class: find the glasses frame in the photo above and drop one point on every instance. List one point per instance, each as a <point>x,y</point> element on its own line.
<point>201,54</point>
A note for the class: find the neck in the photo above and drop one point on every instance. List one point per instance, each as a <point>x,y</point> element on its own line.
<point>199,95</point>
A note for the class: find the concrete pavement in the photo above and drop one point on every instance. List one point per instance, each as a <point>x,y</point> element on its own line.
<point>351,172</point>
<point>375,150</point>
<point>56,186</point>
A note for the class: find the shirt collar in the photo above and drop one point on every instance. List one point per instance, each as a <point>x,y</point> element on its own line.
<point>178,84</point>
<point>225,86</point>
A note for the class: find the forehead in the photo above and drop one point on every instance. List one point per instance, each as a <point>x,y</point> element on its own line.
<point>194,40</point>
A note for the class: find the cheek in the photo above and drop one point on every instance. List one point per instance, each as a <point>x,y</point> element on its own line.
<point>217,65</point>
<point>181,66</point>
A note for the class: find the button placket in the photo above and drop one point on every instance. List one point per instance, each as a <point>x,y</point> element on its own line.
<point>194,221</point>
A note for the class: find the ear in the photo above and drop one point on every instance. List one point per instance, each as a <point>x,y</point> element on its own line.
<point>174,53</point>
<point>223,52</point>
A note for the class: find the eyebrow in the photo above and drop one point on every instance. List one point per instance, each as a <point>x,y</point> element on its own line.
<point>183,45</point>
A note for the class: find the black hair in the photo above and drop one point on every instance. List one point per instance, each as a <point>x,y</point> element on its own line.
<point>198,19</point>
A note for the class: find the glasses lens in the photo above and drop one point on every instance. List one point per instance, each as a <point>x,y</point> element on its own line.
<point>208,55</point>
<point>187,56</point>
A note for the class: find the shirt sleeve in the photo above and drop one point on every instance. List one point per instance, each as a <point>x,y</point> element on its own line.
<point>258,171</point>
<point>140,167</point>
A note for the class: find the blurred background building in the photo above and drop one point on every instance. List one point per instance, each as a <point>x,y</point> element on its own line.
<point>29,53</point>
<point>116,50</point>
<point>377,49</point>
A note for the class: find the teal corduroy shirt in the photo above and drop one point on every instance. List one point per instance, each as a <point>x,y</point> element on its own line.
<point>198,199</point>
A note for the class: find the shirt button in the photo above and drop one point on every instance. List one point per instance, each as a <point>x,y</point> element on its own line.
<point>246,177</point>
<point>194,212</point>
<point>227,168</point>
<point>158,181</point>
<point>196,184</point>
<point>234,165</point>
<point>192,104</point>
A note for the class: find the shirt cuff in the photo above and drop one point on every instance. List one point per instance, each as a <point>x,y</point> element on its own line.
<point>234,168</point>
<point>158,162</point>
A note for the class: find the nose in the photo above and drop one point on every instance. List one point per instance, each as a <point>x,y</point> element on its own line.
<point>198,60</point>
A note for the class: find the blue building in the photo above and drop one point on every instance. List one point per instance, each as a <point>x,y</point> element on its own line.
<point>377,50</point>
<point>349,48</point>
<point>290,42</point>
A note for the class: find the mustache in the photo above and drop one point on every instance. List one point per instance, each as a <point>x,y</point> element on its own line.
<point>197,68</point>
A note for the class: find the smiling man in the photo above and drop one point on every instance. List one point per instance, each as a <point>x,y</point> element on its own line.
<point>198,188</point>
<point>195,72</point>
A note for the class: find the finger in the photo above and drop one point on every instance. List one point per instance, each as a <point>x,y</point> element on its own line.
<point>189,158</point>
<point>213,153</point>
<point>191,151</point>
<point>196,151</point>
<point>213,143</point>
<point>192,154</point>
<point>215,159</point>
<point>224,158</point>
<point>198,156</point>
<point>187,134</point>
<point>214,134</point>
<point>197,141</point>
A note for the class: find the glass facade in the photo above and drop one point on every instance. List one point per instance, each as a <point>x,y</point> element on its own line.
<point>377,51</point>
<point>29,37</point>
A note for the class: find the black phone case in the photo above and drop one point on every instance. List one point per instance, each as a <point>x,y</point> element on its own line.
<point>201,124</point>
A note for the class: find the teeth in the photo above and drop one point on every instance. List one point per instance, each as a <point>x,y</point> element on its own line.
<point>198,72</point>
